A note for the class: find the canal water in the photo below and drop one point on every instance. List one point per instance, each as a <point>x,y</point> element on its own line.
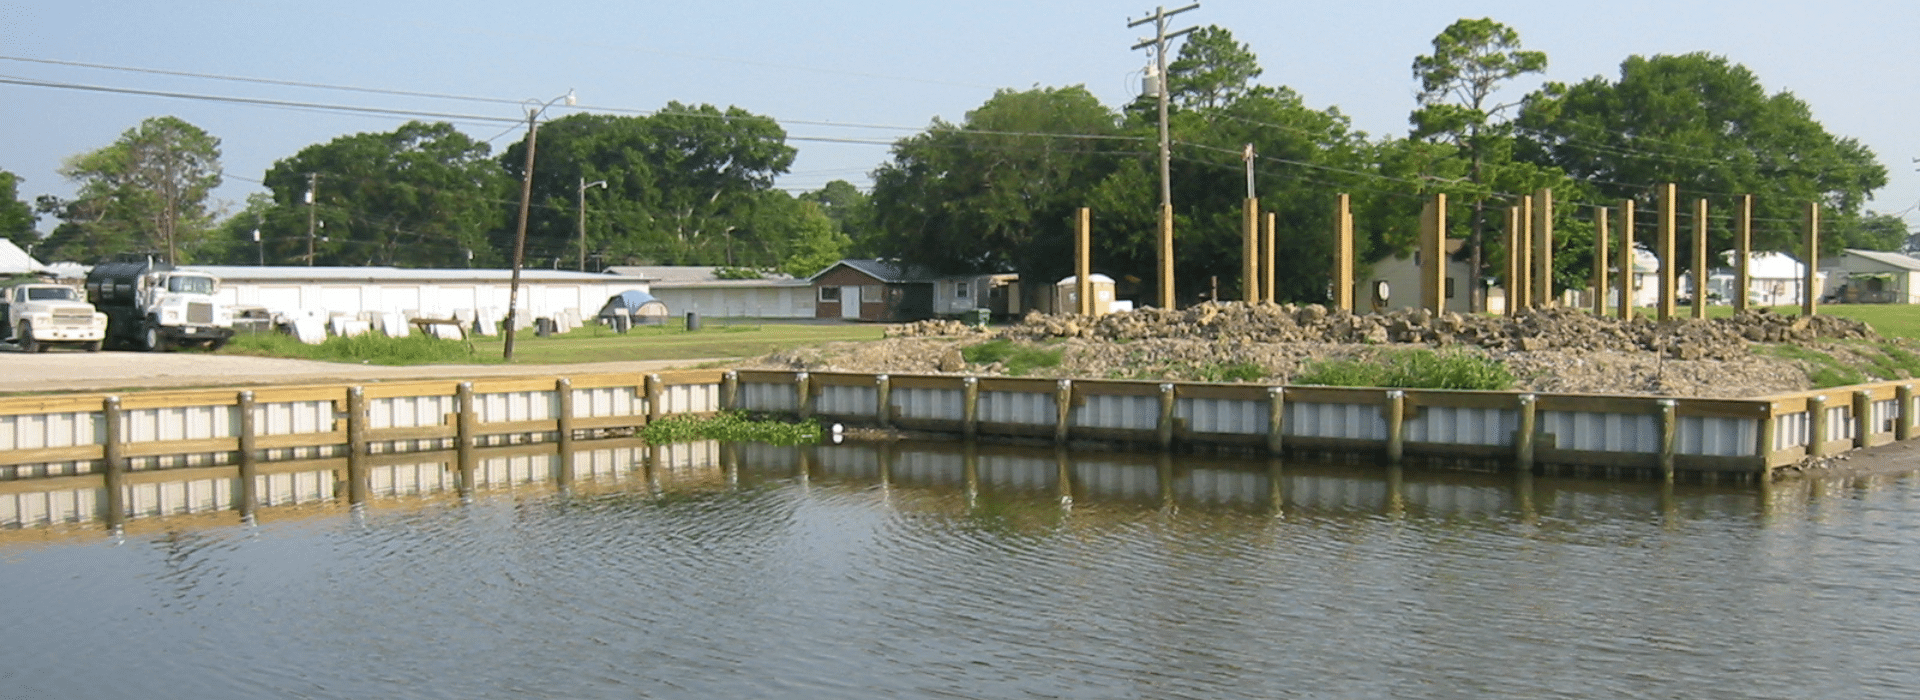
<point>938,571</point>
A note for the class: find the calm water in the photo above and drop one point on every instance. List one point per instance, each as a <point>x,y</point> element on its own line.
<point>933,574</point>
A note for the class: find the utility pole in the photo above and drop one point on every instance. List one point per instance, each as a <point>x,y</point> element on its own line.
<point>1159,44</point>
<point>313,183</point>
<point>581,217</point>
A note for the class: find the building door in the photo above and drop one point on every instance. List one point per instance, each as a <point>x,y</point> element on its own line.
<point>850,302</point>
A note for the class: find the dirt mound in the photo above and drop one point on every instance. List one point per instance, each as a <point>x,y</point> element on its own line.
<point>1551,350</point>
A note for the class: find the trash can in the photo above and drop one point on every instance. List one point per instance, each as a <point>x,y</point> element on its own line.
<point>693,320</point>
<point>978,318</point>
<point>543,327</point>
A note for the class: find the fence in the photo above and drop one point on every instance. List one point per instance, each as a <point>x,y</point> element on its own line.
<point>71,458</point>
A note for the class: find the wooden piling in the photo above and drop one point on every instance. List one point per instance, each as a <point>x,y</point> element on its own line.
<point>1810,258</point>
<point>1523,445</point>
<point>466,435</point>
<point>1700,262</point>
<point>655,394</point>
<point>883,400</point>
<point>113,462</point>
<point>1669,265</point>
<point>1083,260</point>
<point>1862,419</point>
<point>1627,247</point>
<point>1904,413</point>
<point>1343,261</point>
<point>1669,433</point>
<point>1542,258</point>
<point>247,496</point>
<point>1276,419</point>
<point>1268,259</point>
<point>1600,262</point>
<point>563,420</point>
<point>1062,411</point>
<point>802,394</point>
<point>970,408</point>
<point>356,446</point>
<point>1817,426</point>
<point>730,390</point>
<point>1742,252</point>
<point>1164,429</point>
<point>1396,426</point>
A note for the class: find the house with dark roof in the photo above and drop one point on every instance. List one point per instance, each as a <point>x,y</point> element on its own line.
<point>883,291</point>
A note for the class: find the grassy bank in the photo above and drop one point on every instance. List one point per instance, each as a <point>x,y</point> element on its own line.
<point>592,343</point>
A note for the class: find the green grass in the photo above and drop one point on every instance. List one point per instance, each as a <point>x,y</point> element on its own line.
<point>1874,361</point>
<point>1018,359</point>
<point>591,343</point>
<point>370,348</point>
<point>1411,369</point>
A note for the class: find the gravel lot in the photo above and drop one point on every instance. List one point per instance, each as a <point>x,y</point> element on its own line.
<point>70,370</point>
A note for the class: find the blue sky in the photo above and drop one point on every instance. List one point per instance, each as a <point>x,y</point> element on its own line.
<point>834,71</point>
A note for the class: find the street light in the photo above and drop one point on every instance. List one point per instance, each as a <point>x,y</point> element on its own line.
<point>534,109</point>
<point>582,217</point>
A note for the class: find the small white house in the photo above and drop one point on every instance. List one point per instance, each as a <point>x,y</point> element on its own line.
<point>1395,283</point>
<point>1872,277</point>
<point>1774,279</point>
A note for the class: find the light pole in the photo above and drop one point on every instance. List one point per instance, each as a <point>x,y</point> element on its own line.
<point>526,199</point>
<point>581,217</point>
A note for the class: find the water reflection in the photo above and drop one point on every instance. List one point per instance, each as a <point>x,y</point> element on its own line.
<point>955,571</point>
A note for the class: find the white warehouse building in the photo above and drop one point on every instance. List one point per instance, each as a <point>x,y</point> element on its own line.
<point>429,293</point>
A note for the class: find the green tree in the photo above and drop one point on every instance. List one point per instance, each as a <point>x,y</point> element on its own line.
<point>852,211</point>
<point>423,195</point>
<point>1471,60</point>
<point>1211,71</point>
<point>16,217</point>
<point>148,190</point>
<point>679,182</point>
<point>1708,126</point>
<point>998,191</point>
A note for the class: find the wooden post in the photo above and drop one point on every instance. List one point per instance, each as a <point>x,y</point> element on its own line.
<point>802,393</point>
<point>1250,251</point>
<point>467,435</point>
<point>563,422</point>
<point>1343,253</point>
<point>1276,419</point>
<point>650,388</point>
<point>356,446</point>
<point>1768,433</point>
<point>1817,426</point>
<point>1164,429</point>
<point>113,462</point>
<point>730,390</point>
<point>1083,259</point>
<point>1513,283</point>
<point>970,408</point>
<point>1862,419</point>
<point>248,495</point>
<point>1669,432</point>
<point>1903,415</point>
<point>1669,266</point>
<point>883,400</point>
<point>1062,410</point>
<point>1626,259</point>
<point>1523,445</point>
<point>1742,252</point>
<point>1268,258</point>
<point>1433,255</point>
<point>1600,262</point>
<point>1525,248</point>
<point>1542,296</point>
<point>1396,426</point>
<point>1810,280</point>
<point>1700,266</point>
<point>1166,256</point>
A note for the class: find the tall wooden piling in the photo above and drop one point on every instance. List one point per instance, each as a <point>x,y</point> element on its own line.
<point>1542,259</point>
<point>1268,259</point>
<point>113,461</point>
<point>1701,266</point>
<point>1343,260</point>
<point>1810,257</point>
<point>1250,251</point>
<point>1433,255</point>
<point>1626,259</point>
<point>1669,264</point>
<point>247,496</point>
<point>1742,252</point>
<point>1600,262</point>
<point>1083,260</point>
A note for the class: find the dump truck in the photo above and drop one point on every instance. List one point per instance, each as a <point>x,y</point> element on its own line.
<point>38,316</point>
<point>151,305</point>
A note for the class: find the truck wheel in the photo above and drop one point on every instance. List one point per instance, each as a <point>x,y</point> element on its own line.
<point>94,346</point>
<point>151,339</point>
<point>24,336</point>
<point>215,344</point>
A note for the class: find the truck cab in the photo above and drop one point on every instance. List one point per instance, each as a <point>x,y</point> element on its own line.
<point>155,306</point>
<point>38,316</point>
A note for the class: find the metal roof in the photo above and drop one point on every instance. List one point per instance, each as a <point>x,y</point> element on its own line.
<point>248,273</point>
<point>15,261</point>
<point>1899,260</point>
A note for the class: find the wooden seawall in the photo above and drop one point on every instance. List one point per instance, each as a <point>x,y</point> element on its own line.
<point>108,457</point>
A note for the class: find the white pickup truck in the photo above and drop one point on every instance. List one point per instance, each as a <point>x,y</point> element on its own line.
<point>38,316</point>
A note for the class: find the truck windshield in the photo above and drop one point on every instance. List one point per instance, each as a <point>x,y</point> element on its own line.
<point>190,285</point>
<point>51,294</point>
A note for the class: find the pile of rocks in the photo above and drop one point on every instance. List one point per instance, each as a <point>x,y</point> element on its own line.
<point>1545,329</point>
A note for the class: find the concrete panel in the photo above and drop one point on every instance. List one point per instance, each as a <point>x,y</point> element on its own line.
<point>1118,412</point>
<point>1343,421</point>
<point>838,400</point>
<point>1223,416</point>
<point>1463,426</point>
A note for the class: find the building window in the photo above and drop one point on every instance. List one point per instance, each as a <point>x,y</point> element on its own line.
<point>1449,287</point>
<point>871,291</point>
<point>960,290</point>
<point>829,294</point>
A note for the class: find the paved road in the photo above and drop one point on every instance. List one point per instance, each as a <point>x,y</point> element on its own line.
<point>67,370</point>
